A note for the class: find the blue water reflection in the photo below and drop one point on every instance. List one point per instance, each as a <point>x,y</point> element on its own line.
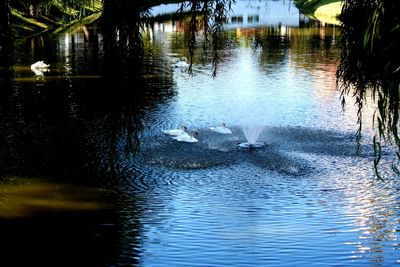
<point>305,199</point>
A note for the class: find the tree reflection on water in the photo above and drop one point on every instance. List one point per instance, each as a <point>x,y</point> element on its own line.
<point>77,128</point>
<point>56,128</point>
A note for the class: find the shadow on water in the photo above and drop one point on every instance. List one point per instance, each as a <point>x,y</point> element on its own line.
<point>71,128</point>
<point>55,224</point>
<point>279,155</point>
<point>215,150</point>
<point>77,127</point>
<point>53,130</point>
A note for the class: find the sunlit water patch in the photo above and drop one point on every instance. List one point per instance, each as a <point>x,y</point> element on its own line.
<point>197,217</point>
<point>251,89</point>
<point>264,206</point>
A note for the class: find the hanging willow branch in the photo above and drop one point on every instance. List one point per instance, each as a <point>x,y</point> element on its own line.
<point>6,44</point>
<point>369,66</point>
<point>220,17</point>
<point>210,17</point>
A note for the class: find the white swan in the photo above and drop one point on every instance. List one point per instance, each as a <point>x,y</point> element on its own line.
<point>182,64</point>
<point>176,132</point>
<point>189,138</point>
<point>223,129</point>
<point>39,65</point>
<point>39,68</point>
<point>38,74</point>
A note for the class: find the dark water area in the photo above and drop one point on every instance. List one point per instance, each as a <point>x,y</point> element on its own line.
<point>60,239</point>
<point>55,224</point>
<point>87,178</point>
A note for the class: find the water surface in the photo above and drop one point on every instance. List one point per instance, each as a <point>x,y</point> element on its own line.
<point>143,199</point>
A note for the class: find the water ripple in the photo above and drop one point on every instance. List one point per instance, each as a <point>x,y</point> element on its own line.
<point>250,206</point>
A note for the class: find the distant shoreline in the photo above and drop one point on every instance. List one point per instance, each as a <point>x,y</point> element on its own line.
<point>326,11</point>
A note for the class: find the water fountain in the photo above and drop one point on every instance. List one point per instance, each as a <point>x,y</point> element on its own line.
<point>252,132</point>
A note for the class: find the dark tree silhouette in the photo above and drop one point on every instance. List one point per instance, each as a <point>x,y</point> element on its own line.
<point>370,65</point>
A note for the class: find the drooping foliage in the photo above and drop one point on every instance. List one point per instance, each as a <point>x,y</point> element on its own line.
<point>209,17</point>
<point>122,23</point>
<point>370,66</point>
<point>35,16</point>
<point>71,8</point>
<point>5,39</point>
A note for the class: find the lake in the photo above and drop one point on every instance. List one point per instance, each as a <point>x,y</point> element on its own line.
<point>88,178</point>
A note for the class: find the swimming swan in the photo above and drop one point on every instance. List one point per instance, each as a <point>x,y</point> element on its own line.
<point>189,138</point>
<point>39,73</point>
<point>182,64</point>
<point>39,68</point>
<point>223,129</point>
<point>176,132</point>
<point>39,65</point>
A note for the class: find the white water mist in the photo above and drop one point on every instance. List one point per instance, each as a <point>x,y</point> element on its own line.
<point>252,132</point>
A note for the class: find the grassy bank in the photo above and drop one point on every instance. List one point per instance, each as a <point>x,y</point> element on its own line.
<point>322,10</point>
<point>56,17</point>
